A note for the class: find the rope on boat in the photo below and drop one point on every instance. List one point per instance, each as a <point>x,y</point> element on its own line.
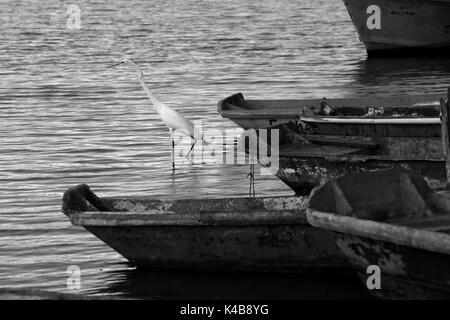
<point>251,176</point>
<point>75,200</point>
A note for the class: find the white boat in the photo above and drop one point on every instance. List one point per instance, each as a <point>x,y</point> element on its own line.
<point>400,27</point>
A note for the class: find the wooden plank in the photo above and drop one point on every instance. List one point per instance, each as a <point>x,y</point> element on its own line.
<point>210,205</point>
<point>400,235</point>
<point>155,218</point>
<point>445,126</point>
<point>261,114</point>
<point>407,101</point>
<point>296,114</point>
<point>360,120</point>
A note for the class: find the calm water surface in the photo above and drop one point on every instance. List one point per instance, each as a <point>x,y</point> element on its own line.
<point>66,119</point>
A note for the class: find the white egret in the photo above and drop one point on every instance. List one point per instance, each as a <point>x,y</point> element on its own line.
<point>173,119</point>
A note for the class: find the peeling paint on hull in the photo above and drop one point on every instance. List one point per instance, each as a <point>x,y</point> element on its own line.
<point>406,272</point>
<point>303,174</point>
<point>392,220</point>
<point>289,248</point>
<point>247,234</point>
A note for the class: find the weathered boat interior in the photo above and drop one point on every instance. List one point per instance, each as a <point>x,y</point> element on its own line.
<point>80,199</point>
<point>393,220</point>
<point>386,116</point>
<point>414,106</point>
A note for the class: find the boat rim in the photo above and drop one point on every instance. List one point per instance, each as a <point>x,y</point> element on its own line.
<point>355,120</point>
<point>154,218</point>
<point>386,232</point>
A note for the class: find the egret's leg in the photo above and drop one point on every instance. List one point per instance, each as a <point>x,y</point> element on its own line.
<point>192,147</point>
<point>173,150</point>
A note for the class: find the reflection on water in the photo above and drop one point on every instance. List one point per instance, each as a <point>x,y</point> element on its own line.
<point>66,119</point>
<point>402,76</point>
<point>163,284</point>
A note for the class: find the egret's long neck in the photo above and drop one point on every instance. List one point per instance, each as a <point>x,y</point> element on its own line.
<point>151,96</point>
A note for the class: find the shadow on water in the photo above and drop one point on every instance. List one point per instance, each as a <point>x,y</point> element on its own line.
<point>390,76</point>
<point>173,284</point>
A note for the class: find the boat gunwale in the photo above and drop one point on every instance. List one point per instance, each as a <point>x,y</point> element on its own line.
<point>360,120</point>
<point>358,158</point>
<point>382,231</point>
<point>84,208</point>
<point>241,112</point>
<point>155,218</point>
<point>280,114</point>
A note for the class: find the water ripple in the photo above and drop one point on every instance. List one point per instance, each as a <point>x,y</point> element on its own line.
<point>67,119</point>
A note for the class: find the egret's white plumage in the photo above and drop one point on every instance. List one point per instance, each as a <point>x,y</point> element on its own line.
<point>171,118</point>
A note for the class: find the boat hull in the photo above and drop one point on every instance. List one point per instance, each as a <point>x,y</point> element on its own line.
<point>288,248</point>
<point>305,161</point>
<point>404,275</point>
<point>246,234</point>
<point>393,228</point>
<point>406,27</point>
<point>304,174</point>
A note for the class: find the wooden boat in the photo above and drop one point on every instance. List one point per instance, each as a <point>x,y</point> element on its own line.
<point>252,234</point>
<point>415,27</point>
<point>358,135</point>
<point>390,221</point>
<point>307,160</point>
<point>404,116</point>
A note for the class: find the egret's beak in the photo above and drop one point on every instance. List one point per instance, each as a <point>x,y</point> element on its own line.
<point>115,65</point>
